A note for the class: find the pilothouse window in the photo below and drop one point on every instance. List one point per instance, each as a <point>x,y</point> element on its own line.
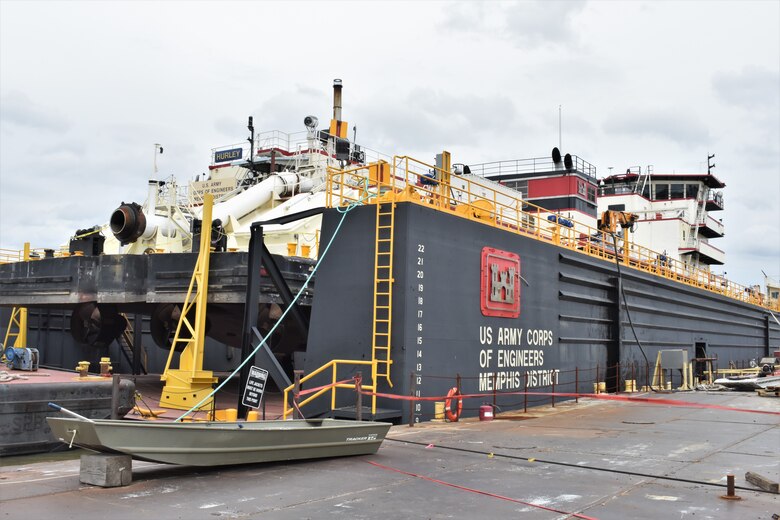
<point>678,191</point>
<point>661,191</point>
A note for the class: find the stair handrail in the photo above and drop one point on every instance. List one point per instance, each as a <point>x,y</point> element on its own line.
<point>332,364</point>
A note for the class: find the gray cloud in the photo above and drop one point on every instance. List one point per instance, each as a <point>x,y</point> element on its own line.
<point>428,119</point>
<point>673,125</point>
<point>16,109</point>
<point>528,23</point>
<point>543,23</point>
<point>753,88</point>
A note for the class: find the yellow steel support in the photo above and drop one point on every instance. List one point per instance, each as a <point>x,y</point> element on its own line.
<point>383,292</point>
<point>189,384</point>
<point>18,317</point>
<point>444,181</point>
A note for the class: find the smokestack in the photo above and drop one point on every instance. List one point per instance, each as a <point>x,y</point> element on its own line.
<point>337,99</point>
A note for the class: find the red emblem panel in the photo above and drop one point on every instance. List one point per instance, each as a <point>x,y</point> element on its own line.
<point>500,294</point>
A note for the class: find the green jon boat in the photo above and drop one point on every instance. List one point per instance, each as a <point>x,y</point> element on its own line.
<point>222,443</point>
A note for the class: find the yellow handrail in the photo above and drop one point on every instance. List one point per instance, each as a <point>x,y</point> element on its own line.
<point>332,364</point>
<point>481,202</point>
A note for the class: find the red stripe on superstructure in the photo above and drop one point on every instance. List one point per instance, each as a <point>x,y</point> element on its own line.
<point>551,187</point>
<point>569,185</point>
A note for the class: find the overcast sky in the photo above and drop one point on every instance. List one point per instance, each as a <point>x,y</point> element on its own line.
<point>87,88</point>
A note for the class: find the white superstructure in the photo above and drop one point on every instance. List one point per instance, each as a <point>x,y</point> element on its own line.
<point>674,212</point>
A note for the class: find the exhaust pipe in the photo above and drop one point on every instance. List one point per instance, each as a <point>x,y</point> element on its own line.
<point>337,99</point>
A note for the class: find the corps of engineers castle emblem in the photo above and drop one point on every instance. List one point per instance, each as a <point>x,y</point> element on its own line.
<point>500,286</point>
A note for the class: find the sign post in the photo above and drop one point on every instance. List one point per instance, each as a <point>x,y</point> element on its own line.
<point>255,385</point>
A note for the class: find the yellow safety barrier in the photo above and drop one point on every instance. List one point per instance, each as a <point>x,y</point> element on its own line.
<point>333,365</point>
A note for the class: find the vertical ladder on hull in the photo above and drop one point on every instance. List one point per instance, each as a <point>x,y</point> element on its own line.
<point>383,291</point>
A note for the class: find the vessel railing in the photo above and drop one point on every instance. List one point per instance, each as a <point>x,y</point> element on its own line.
<point>532,165</point>
<point>408,180</point>
<point>9,256</point>
<point>335,384</point>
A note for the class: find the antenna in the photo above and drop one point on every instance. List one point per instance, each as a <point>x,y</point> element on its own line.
<point>251,127</point>
<point>710,166</point>
<point>157,149</point>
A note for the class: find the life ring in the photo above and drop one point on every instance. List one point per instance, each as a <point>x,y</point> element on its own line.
<point>452,413</point>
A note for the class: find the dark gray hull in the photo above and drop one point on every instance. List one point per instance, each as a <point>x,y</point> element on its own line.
<point>24,410</point>
<point>572,320</point>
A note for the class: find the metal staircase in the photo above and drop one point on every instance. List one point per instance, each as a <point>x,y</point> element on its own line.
<point>383,291</point>
<point>126,341</point>
<point>699,218</point>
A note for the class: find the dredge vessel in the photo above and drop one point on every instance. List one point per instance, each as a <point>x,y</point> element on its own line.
<point>488,278</point>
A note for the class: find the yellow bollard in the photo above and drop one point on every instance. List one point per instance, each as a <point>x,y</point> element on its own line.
<point>630,385</point>
<point>305,251</point>
<point>291,248</point>
<point>252,416</point>
<point>83,368</point>
<point>231,415</point>
<point>105,366</point>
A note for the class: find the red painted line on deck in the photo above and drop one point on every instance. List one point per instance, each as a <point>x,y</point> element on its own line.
<point>478,491</point>
<point>605,397</point>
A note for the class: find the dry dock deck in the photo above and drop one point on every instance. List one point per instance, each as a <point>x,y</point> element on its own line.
<point>606,460</point>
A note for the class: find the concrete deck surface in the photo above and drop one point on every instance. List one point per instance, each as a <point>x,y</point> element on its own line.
<point>598,459</point>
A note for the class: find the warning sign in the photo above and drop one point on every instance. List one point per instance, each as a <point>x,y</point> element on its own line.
<point>255,385</point>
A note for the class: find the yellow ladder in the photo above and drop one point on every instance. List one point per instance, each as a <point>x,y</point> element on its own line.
<point>383,292</point>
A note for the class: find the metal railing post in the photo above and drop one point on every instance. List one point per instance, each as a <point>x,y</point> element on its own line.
<point>494,391</point>
<point>115,396</point>
<point>411,401</point>
<point>553,393</point>
<point>525,394</point>
<point>359,397</point>
<point>576,384</point>
<point>296,392</point>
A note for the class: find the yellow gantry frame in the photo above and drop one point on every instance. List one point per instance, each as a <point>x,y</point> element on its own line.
<point>189,384</point>
<point>18,317</point>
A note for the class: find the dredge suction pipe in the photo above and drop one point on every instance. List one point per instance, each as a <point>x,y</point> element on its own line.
<point>129,222</point>
<point>281,185</point>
